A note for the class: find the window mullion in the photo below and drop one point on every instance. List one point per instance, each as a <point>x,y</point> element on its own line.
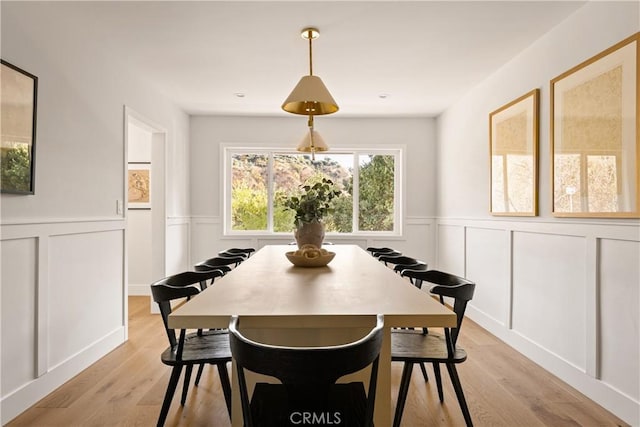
<point>270,192</point>
<point>356,192</point>
<point>228,188</point>
<point>398,200</point>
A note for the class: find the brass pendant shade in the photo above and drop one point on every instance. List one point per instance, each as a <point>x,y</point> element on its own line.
<point>312,142</point>
<point>310,96</point>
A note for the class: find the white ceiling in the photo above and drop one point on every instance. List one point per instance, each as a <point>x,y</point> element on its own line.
<point>423,54</point>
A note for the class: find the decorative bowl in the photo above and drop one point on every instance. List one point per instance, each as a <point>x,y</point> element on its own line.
<point>310,256</point>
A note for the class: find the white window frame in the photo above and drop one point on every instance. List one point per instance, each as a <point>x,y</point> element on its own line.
<point>228,150</point>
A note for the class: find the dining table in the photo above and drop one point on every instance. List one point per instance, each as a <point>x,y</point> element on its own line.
<point>283,304</point>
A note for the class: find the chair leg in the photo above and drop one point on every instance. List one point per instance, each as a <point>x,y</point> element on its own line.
<point>453,373</point>
<point>168,396</point>
<point>436,370</point>
<point>402,393</point>
<point>185,385</point>
<point>199,374</point>
<point>424,372</point>
<point>226,385</point>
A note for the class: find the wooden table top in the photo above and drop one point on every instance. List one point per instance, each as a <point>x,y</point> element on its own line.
<point>347,292</point>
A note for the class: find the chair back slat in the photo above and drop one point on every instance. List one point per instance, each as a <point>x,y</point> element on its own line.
<point>220,263</point>
<point>316,365</point>
<point>188,278</point>
<point>373,250</point>
<point>240,251</point>
<point>397,259</point>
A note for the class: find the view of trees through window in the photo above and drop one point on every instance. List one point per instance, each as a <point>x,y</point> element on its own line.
<point>260,182</point>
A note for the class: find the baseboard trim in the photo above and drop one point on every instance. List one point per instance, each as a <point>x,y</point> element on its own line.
<point>600,392</point>
<point>139,290</point>
<point>22,399</point>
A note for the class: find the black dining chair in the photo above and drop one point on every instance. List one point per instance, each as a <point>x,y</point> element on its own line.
<point>223,263</point>
<point>308,377</point>
<point>417,266</point>
<point>372,250</point>
<point>188,278</point>
<point>203,278</point>
<point>397,259</point>
<point>379,254</point>
<point>246,252</point>
<point>416,275</point>
<point>189,349</point>
<point>414,346</point>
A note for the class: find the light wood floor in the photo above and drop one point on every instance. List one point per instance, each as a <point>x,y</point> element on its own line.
<point>126,387</point>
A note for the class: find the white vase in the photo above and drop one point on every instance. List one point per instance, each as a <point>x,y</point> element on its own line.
<point>309,233</point>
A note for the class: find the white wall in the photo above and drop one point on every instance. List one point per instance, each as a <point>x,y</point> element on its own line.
<point>208,132</point>
<point>63,296</point>
<point>565,292</point>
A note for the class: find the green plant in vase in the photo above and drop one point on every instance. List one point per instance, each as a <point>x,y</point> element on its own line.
<point>311,205</point>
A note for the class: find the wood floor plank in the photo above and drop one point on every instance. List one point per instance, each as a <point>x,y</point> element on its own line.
<point>126,388</point>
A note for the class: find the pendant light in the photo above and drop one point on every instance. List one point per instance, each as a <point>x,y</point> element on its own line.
<point>312,141</point>
<point>310,96</point>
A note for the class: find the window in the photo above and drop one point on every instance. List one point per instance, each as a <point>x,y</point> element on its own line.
<point>257,180</point>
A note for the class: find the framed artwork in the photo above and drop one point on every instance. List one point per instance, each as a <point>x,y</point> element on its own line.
<point>139,179</point>
<point>513,146</point>
<point>18,100</point>
<point>594,135</point>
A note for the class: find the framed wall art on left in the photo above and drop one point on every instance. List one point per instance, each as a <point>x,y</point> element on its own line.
<point>139,185</point>
<point>18,101</point>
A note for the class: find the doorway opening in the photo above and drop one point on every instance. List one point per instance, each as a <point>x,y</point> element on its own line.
<point>145,204</point>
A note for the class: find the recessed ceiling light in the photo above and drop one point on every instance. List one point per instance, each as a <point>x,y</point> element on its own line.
<point>239,94</point>
<point>383,96</point>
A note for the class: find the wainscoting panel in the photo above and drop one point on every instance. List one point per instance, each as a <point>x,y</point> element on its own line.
<point>63,303</point>
<point>549,293</point>
<point>620,315</point>
<point>19,337</point>
<point>488,262</point>
<point>83,285</point>
<point>451,248</point>
<point>574,302</point>
<point>178,245</point>
<point>205,236</point>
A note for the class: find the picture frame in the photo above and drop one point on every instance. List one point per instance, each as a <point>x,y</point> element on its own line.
<point>595,145</point>
<point>18,107</point>
<point>139,185</point>
<point>513,156</point>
